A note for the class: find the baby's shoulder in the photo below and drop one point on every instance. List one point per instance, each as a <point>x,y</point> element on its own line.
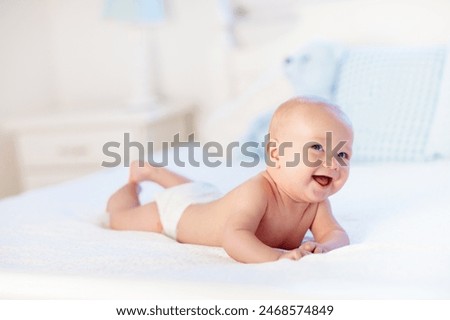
<point>259,185</point>
<point>254,190</point>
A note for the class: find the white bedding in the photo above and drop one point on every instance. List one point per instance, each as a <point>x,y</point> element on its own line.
<point>52,244</point>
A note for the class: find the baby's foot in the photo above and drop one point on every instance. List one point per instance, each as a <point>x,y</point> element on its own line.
<point>141,171</point>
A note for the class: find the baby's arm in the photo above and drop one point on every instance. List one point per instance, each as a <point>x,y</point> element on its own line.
<point>248,203</point>
<point>327,232</point>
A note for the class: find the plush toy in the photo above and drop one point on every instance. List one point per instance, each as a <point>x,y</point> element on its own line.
<point>313,69</point>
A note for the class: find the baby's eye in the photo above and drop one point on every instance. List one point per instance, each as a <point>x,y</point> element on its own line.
<point>317,147</point>
<point>343,155</point>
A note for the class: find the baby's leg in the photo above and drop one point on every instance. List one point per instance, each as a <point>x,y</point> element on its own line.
<point>143,171</point>
<point>123,199</point>
<point>141,218</point>
<point>126,213</point>
<point>124,208</point>
<point>127,196</point>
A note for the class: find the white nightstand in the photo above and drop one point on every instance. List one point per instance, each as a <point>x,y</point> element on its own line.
<point>56,147</point>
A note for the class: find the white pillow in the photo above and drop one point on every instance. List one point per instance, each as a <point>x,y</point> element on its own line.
<point>390,94</point>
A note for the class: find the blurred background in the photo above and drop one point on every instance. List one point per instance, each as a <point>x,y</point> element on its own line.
<point>75,72</point>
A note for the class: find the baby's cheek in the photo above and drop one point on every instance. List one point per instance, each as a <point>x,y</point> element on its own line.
<point>341,181</point>
<point>291,159</point>
<point>345,173</point>
<point>312,159</point>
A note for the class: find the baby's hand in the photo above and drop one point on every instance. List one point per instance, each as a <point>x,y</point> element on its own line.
<point>295,254</point>
<point>313,247</point>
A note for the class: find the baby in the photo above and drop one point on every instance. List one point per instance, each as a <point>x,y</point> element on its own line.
<point>265,218</point>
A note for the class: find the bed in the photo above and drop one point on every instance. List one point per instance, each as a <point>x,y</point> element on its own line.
<point>54,243</point>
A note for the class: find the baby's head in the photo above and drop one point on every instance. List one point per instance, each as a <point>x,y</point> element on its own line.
<point>310,148</point>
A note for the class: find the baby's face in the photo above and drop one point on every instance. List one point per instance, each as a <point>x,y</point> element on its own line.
<point>317,164</point>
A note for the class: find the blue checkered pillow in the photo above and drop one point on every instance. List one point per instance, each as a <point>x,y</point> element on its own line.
<point>390,94</point>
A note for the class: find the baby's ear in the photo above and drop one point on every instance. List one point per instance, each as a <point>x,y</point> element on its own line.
<point>272,153</point>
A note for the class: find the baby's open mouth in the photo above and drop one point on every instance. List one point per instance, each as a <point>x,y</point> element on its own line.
<point>322,180</point>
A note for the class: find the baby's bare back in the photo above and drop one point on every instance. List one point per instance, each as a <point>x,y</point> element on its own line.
<point>275,222</point>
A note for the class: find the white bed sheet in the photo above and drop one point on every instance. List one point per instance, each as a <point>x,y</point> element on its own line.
<point>53,245</point>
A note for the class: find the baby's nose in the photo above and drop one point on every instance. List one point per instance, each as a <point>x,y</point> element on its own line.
<point>330,163</point>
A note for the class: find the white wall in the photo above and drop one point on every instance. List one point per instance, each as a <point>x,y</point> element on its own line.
<point>26,62</point>
<point>26,73</point>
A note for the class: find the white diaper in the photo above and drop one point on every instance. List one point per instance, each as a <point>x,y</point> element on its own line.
<point>173,201</point>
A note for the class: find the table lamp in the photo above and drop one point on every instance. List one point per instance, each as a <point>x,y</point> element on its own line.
<point>146,15</point>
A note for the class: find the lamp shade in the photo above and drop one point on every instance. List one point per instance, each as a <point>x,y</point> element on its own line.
<point>135,11</point>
